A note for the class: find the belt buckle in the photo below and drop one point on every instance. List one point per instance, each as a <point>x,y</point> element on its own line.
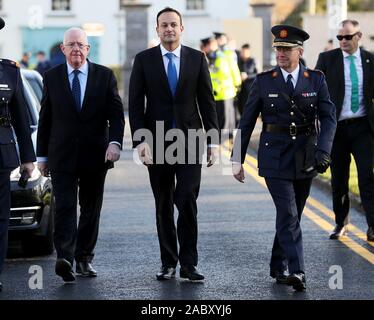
<point>293,130</point>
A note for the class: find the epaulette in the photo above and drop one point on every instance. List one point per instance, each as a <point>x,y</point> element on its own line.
<point>319,72</point>
<point>10,63</point>
<point>271,71</point>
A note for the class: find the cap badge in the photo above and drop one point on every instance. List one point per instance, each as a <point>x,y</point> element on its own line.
<point>283,33</point>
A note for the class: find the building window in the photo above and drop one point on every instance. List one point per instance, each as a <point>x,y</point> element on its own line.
<point>61,5</point>
<point>1,5</point>
<point>195,4</point>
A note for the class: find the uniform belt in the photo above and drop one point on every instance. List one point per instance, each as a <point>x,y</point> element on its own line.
<point>4,122</point>
<point>293,129</point>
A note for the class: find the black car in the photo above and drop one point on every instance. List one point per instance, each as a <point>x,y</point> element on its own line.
<point>32,207</point>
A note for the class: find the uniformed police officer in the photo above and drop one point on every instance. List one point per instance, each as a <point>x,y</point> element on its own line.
<point>13,113</point>
<point>291,100</point>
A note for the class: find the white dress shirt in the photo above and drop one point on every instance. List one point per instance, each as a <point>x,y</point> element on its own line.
<point>346,112</point>
<point>177,58</point>
<point>82,76</point>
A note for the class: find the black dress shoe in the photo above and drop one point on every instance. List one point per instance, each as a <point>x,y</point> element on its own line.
<point>279,276</point>
<point>166,273</point>
<point>85,269</point>
<point>370,234</point>
<point>338,232</point>
<point>190,272</point>
<point>64,270</point>
<point>297,281</point>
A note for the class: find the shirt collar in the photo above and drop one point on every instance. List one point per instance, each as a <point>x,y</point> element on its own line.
<point>356,54</point>
<point>295,73</point>
<point>83,69</point>
<point>176,52</point>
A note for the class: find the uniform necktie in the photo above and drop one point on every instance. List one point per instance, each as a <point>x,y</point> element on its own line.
<point>354,81</point>
<point>172,73</point>
<point>76,90</point>
<point>289,83</point>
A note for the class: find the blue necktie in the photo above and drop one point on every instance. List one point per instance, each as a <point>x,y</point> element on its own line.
<point>172,73</point>
<point>290,87</point>
<point>76,90</point>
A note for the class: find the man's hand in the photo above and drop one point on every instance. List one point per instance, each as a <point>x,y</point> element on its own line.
<point>112,153</point>
<point>145,154</point>
<point>212,155</point>
<point>28,167</point>
<point>238,171</point>
<point>323,161</point>
<point>43,168</point>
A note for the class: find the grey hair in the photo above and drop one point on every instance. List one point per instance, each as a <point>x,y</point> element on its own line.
<point>75,29</point>
<point>350,21</point>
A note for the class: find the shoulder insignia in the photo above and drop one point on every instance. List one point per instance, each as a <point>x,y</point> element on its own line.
<point>306,74</point>
<point>315,71</point>
<point>271,71</point>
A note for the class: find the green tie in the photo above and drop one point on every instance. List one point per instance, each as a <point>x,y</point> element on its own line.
<point>354,81</point>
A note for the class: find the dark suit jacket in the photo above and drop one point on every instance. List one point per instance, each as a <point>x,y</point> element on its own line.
<point>332,65</point>
<point>75,141</point>
<point>13,106</point>
<point>280,156</point>
<point>151,100</point>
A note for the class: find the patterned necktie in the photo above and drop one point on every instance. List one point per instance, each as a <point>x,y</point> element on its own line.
<point>76,90</point>
<point>354,81</point>
<point>172,73</point>
<point>289,83</point>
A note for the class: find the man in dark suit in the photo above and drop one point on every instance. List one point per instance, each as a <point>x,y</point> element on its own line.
<point>13,113</point>
<point>349,72</point>
<point>80,135</point>
<point>175,82</point>
<point>290,98</point>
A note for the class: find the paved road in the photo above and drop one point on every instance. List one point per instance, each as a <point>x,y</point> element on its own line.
<point>236,230</point>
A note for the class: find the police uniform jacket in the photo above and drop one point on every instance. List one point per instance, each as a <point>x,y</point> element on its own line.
<point>13,114</point>
<point>281,155</point>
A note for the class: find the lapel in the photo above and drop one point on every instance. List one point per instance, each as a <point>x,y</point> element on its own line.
<point>279,80</point>
<point>90,84</point>
<point>182,71</point>
<point>339,71</point>
<point>302,81</point>
<point>160,69</point>
<point>67,88</point>
<point>365,60</point>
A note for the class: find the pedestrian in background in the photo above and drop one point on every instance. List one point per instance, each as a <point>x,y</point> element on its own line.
<point>349,74</point>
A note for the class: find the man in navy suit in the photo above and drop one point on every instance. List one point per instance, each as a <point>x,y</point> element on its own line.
<point>80,135</point>
<point>290,99</point>
<point>170,85</point>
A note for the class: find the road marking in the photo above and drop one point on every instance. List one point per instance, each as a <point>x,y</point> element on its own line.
<point>250,165</point>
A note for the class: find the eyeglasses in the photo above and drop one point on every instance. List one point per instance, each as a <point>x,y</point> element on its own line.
<point>71,45</point>
<point>346,37</point>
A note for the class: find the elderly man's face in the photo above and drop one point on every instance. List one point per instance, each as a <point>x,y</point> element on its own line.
<point>75,48</point>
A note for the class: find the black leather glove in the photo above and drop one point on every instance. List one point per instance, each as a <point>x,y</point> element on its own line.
<point>322,160</point>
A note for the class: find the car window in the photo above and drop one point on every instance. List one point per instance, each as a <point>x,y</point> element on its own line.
<point>33,105</point>
<point>36,87</point>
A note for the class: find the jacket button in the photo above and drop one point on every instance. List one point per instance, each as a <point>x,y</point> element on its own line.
<point>266,144</point>
<point>272,105</point>
<point>311,105</point>
<point>292,114</point>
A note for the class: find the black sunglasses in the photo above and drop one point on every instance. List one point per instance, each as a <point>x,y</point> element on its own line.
<point>346,37</point>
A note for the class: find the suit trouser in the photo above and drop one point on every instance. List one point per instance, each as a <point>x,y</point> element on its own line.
<point>176,184</point>
<point>289,197</point>
<point>352,137</point>
<point>4,215</point>
<point>72,242</point>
